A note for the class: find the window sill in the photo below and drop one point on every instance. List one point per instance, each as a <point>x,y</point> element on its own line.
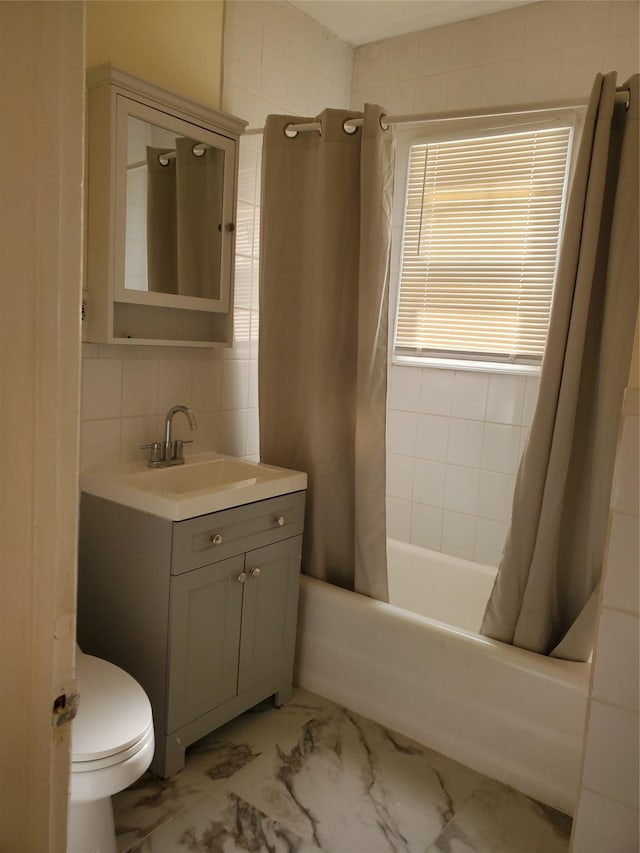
<point>463,364</point>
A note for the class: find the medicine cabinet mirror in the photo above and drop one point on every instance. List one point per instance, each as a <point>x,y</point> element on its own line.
<point>162,179</point>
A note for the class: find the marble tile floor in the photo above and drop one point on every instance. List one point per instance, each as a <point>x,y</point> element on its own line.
<point>312,776</point>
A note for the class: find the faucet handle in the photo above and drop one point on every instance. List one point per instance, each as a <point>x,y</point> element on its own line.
<point>155,447</point>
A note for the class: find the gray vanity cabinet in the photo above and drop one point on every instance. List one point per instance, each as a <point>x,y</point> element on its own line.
<point>201,612</point>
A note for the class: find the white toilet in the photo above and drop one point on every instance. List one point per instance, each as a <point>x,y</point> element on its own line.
<point>112,746</point>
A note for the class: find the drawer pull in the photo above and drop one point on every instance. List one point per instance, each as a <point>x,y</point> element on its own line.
<point>279,520</point>
<point>255,573</point>
<point>216,538</point>
<point>242,577</point>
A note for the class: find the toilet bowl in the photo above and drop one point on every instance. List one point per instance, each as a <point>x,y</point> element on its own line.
<point>112,745</point>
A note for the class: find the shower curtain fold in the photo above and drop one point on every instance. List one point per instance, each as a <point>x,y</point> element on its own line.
<point>324,266</point>
<point>546,591</point>
<point>199,192</point>
<point>162,237</point>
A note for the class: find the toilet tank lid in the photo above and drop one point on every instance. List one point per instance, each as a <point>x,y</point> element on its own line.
<point>114,711</point>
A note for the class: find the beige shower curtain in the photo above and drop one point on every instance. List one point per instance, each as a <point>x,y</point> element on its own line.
<point>324,261</point>
<point>546,592</point>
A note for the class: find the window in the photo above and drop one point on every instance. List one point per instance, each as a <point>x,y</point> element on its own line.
<point>482,225</point>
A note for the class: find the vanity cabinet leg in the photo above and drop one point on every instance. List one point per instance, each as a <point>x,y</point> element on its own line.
<point>169,757</point>
<point>283,695</point>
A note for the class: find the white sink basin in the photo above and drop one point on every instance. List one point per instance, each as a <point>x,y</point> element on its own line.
<point>207,482</point>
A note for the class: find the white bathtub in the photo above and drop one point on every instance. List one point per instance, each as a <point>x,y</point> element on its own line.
<point>511,714</point>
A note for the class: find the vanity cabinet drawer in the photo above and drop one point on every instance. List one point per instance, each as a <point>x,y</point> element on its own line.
<point>219,535</point>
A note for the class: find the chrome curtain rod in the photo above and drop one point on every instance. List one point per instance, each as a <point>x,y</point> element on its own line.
<point>198,151</point>
<point>350,125</point>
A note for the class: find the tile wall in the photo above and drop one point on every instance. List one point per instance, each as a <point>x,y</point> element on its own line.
<point>454,440</point>
<point>607,817</point>
<point>540,51</point>
<point>455,437</point>
<point>276,59</point>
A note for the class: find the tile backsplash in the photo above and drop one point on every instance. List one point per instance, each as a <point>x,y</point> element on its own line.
<point>126,394</point>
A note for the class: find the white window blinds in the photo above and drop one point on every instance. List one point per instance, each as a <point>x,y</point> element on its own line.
<point>482,226</point>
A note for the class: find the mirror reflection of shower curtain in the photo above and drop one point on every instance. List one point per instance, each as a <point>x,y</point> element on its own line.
<point>546,592</point>
<point>199,219</point>
<point>324,267</point>
<point>162,238</point>
<point>184,221</point>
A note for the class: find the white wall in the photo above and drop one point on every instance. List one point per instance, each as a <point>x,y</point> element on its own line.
<point>455,437</point>
<point>175,45</point>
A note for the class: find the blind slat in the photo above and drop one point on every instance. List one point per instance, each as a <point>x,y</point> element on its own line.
<point>482,225</point>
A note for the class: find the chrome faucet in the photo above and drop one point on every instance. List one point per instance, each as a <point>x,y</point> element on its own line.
<point>169,452</point>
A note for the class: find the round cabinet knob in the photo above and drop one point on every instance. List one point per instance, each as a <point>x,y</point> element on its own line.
<point>279,520</point>
<point>242,577</point>
<point>216,538</point>
<point>255,573</point>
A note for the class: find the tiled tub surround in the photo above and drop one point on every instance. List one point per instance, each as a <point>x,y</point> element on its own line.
<point>607,816</point>
<point>313,776</point>
<point>454,441</point>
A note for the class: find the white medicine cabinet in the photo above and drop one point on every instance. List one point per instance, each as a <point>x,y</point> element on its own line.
<point>161,212</point>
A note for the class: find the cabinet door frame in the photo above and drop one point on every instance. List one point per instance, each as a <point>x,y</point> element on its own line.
<point>203,654</point>
<point>267,635</point>
<point>126,107</point>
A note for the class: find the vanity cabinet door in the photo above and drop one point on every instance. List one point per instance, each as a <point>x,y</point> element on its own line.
<point>269,611</point>
<point>205,620</point>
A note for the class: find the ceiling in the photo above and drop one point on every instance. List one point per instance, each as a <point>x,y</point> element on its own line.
<point>363,21</point>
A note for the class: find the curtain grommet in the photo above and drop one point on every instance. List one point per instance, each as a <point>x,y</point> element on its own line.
<point>349,128</point>
<point>289,132</point>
